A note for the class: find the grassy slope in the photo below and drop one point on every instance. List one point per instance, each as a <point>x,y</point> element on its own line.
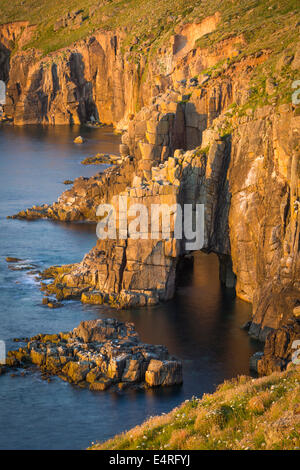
<point>242,414</point>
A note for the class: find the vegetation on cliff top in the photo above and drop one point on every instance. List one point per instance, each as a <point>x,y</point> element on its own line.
<point>242,414</point>
<point>262,22</point>
<point>271,27</point>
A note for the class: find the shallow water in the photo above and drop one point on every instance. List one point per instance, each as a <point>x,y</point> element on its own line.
<point>201,325</point>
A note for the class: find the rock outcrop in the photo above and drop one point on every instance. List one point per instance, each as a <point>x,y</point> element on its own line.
<point>281,349</point>
<point>81,201</point>
<point>127,270</point>
<point>100,354</point>
<point>95,78</point>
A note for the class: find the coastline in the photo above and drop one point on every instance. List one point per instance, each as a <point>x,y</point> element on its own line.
<point>192,274</point>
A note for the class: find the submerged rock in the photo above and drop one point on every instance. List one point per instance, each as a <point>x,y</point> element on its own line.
<point>99,354</point>
<point>101,158</point>
<point>12,259</point>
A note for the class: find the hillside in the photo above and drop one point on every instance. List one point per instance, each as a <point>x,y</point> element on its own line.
<point>243,414</point>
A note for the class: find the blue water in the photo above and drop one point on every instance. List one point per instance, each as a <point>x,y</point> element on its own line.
<point>201,325</point>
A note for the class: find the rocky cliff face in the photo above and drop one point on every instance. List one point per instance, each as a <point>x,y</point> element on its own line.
<point>241,161</point>
<point>264,216</point>
<point>91,79</point>
<point>95,77</point>
<point>249,183</point>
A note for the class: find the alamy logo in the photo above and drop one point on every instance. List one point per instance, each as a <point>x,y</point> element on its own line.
<point>2,92</point>
<point>2,352</point>
<point>162,221</point>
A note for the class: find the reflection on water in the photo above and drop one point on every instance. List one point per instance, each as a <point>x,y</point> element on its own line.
<point>46,156</point>
<point>201,325</point>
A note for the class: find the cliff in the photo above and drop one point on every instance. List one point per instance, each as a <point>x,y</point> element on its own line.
<point>205,105</point>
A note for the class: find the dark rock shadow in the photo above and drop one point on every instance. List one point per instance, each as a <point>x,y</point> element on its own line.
<point>4,62</point>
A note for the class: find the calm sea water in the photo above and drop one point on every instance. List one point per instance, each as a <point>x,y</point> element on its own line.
<point>201,325</point>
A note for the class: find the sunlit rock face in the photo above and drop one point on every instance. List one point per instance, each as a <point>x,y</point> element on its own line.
<point>264,216</point>
<point>94,78</point>
<point>100,354</point>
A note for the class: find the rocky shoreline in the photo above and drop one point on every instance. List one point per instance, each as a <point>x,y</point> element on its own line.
<point>98,354</point>
<point>79,203</point>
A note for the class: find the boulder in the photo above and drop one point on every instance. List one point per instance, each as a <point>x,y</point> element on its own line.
<point>163,373</point>
<point>93,375</point>
<point>76,371</point>
<point>116,366</point>
<point>37,357</point>
<point>79,140</point>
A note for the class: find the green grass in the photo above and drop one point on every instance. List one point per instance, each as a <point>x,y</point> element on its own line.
<point>243,413</point>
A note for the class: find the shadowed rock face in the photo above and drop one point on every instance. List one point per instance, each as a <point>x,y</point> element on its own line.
<point>100,354</point>
<point>280,349</point>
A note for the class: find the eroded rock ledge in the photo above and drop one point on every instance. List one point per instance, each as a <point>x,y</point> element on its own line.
<point>100,354</point>
<point>80,201</point>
